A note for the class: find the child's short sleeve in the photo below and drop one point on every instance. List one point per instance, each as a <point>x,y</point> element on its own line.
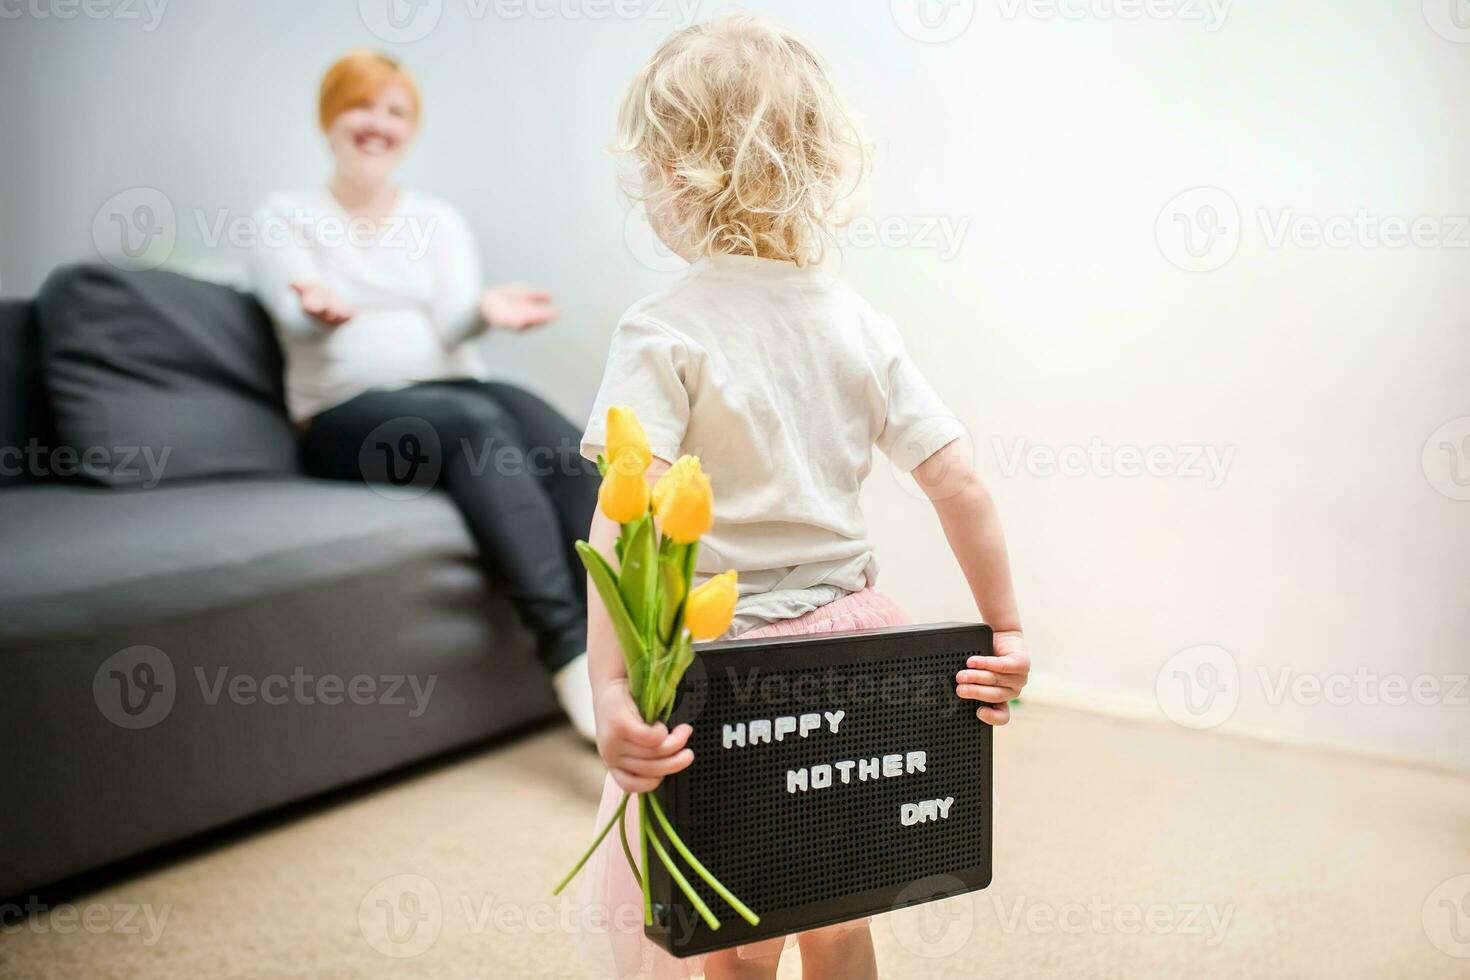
<point>917,423</point>
<point>646,366</point>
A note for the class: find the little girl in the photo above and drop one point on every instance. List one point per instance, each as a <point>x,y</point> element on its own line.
<point>781,379</point>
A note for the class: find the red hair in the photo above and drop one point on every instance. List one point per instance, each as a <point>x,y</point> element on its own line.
<point>358,76</point>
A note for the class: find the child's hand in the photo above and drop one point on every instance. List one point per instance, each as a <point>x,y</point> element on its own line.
<point>638,755</point>
<point>996,679</point>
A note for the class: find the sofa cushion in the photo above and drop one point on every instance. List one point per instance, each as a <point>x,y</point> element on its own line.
<point>153,377</point>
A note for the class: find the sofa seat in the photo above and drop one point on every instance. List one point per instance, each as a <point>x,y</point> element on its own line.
<point>103,557</point>
<point>248,595</point>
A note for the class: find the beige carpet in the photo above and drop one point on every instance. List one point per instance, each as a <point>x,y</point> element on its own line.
<point>1124,850</point>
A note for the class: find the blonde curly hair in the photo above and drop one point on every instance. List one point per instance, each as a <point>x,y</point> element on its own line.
<point>742,145</point>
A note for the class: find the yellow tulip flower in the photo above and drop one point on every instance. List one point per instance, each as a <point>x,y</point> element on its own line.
<point>624,494</point>
<point>683,501</point>
<point>625,435</point>
<point>710,607</point>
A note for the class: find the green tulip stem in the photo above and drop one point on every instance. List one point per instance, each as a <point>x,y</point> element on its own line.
<point>683,883</point>
<point>699,869</point>
<point>589,852</point>
<point>644,833</point>
<point>623,836</point>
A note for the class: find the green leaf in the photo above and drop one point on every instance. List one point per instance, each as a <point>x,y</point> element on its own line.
<point>638,580</point>
<point>605,580</point>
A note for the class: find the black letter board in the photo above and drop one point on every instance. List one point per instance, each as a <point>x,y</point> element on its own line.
<point>816,828</point>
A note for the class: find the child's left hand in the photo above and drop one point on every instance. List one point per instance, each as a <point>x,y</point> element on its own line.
<point>996,679</point>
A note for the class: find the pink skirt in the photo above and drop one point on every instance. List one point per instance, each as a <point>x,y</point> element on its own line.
<point>612,903</point>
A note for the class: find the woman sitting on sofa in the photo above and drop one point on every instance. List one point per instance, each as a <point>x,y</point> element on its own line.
<point>376,294</point>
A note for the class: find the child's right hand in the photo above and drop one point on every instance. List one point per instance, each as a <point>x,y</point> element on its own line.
<point>638,755</point>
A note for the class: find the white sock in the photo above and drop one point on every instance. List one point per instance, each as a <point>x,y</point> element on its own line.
<point>574,691</point>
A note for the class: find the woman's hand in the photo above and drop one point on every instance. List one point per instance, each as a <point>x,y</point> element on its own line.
<point>322,305</point>
<point>996,679</point>
<point>638,755</point>
<point>516,306</point>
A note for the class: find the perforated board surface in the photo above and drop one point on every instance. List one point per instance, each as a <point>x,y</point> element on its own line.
<point>861,838</point>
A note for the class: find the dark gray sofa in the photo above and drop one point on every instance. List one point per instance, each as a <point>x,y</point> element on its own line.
<point>182,655</point>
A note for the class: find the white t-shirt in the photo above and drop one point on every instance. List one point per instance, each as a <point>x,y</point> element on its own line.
<point>781,380</point>
<point>412,278</point>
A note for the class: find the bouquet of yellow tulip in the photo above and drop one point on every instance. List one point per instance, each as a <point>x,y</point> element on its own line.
<point>657,617</point>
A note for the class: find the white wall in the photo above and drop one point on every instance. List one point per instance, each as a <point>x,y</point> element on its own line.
<point>1330,542</point>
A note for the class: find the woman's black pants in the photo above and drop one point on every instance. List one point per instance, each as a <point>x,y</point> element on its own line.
<point>511,464</point>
